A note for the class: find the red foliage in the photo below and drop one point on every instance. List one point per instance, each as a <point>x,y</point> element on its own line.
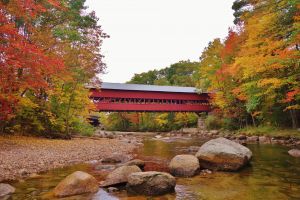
<point>231,43</point>
<point>231,46</point>
<point>23,65</point>
<point>290,96</point>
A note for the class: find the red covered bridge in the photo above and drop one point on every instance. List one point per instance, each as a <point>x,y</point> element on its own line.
<point>118,97</point>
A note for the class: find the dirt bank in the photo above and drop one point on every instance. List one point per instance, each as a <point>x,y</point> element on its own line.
<point>22,156</point>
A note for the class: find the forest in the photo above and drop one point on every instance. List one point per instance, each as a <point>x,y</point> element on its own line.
<point>253,74</point>
<point>51,48</point>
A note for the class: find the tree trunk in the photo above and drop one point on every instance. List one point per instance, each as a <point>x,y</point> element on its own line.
<point>293,114</point>
<point>253,120</point>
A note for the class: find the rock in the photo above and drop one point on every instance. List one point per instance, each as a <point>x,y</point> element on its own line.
<point>158,136</point>
<point>92,162</point>
<point>23,172</point>
<point>242,137</point>
<point>206,171</point>
<point>137,162</point>
<point>223,154</point>
<point>105,167</point>
<point>242,142</point>
<point>264,140</point>
<point>115,158</point>
<point>190,130</point>
<point>6,189</point>
<point>253,139</point>
<point>150,183</point>
<point>281,142</point>
<point>184,165</point>
<point>110,136</point>
<point>294,153</point>
<point>120,175</point>
<point>76,183</point>
<point>34,175</point>
<point>214,132</point>
<point>112,189</point>
<point>193,149</point>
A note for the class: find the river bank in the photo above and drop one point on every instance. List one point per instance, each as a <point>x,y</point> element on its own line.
<point>285,139</point>
<point>22,157</point>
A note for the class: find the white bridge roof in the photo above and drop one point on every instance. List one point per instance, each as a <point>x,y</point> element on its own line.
<point>152,88</point>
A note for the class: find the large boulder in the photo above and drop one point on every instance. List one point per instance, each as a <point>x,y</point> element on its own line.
<point>6,189</point>
<point>223,154</point>
<point>150,183</point>
<point>294,153</point>
<point>76,183</point>
<point>120,175</point>
<point>184,165</point>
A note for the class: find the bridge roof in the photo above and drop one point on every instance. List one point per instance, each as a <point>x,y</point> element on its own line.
<point>152,88</point>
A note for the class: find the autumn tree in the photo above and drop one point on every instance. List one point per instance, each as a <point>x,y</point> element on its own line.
<point>49,50</point>
<point>255,70</point>
<point>24,65</point>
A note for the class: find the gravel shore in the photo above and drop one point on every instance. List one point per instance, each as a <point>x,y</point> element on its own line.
<point>23,156</point>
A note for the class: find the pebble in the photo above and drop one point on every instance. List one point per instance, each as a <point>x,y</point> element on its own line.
<point>22,156</point>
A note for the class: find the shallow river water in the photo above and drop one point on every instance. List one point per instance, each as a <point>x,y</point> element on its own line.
<point>273,174</point>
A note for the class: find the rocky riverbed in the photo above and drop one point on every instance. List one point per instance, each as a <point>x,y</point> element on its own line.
<point>270,163</point>
<point>22,157</point>
<point>240,138</point>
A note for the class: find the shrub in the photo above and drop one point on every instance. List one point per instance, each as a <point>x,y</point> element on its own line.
<point>212,122</point>
<point>83,128</point>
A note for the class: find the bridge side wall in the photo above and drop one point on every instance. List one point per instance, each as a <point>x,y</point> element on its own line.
<point>170,101</point>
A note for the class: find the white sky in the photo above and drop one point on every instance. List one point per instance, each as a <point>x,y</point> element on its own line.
<point>152,34</point>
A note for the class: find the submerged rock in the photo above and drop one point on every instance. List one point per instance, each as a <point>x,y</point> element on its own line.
<point>294,153</point>
<point>105,167</point>
<point>120,175</point>
<point>193,149</point>
<point>158,136</point>
<point>184,165</point>
<point>76,183</point>
<point>115,158</point>
<point>253,139</point>
<point>6,189</point>
<point>151,183</point>
<point>264,140</point>
<point>223,154</point>
<point>137,162</point>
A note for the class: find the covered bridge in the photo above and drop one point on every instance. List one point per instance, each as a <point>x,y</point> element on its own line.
<point>119,97</point>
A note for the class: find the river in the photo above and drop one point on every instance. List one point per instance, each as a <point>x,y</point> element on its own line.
<point>273,174</point>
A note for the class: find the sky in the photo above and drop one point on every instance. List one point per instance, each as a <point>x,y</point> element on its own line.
<point>153,34</point>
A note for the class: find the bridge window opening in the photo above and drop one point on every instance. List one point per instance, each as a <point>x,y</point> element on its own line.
<point>148,101</point>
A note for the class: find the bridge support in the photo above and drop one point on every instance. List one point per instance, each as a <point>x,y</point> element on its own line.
<point>201,121</point>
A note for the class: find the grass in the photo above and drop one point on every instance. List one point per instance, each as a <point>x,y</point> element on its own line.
<point>270,131</point>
